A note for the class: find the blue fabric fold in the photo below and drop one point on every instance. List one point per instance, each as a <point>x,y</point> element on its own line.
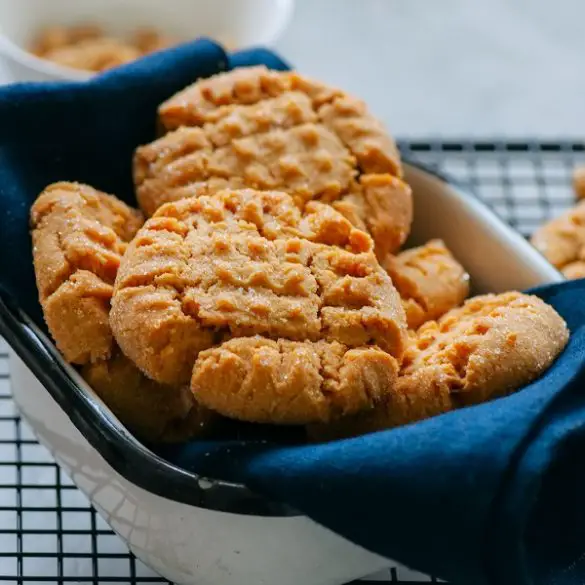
<point>486,495</point>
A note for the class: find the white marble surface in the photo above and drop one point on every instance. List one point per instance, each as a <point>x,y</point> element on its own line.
<point>450,68</point>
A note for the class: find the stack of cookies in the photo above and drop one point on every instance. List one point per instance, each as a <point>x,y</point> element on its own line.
<point>268,283</point>
<point>562,239</point>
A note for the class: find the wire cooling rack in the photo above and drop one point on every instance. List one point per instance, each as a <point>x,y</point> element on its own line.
<point>49,533</point>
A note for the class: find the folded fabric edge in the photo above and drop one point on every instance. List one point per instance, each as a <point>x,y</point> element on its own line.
<point>177,57</point>
<point>535,536</point>
<point>139,70</point>
<point>553,546</point>
<point>174,65</point>
<point>541,471</point>
<point>257,55</point>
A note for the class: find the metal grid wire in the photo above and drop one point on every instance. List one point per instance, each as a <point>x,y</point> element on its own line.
<point>49,533</point>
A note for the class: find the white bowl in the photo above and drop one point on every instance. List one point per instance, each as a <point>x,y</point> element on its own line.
<point>242,23</point>
<point>195,530</point>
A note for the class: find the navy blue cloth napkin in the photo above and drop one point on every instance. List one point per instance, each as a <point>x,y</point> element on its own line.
<point>489,494</point>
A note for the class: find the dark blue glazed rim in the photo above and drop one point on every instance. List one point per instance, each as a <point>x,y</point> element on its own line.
<point>127,456</point>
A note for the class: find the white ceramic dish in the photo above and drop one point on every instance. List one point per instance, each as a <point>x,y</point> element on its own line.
<point>242,23</point>
<point>196,530</point>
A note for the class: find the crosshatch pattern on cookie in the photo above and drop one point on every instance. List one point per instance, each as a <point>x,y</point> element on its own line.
<point>244,263</point>
<point>292,382</point>
<point>562,241</point>
<point>271,130</point>
<point>79,236</point>
<point>490,346</point>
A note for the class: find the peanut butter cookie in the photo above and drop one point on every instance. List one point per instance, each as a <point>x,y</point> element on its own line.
<point>429,280</point>
<point>87,46</point>
<point>273,293</point>
<point>574,270</point>
<point>153,411</point>
<point>79,235</point>
<point>562,240</point>
<point>579,182</point>
<point>148,40</point>
<point>94,54</point>
<point>421,396</point>
<point>293,382</point>
<point>57,37</point>
<point>268,130</point>
<point>489,347</point>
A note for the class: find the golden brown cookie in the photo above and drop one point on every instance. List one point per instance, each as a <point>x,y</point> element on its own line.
<point>489,347</point>
<point>410,400</point>
<point>574,270</point>
<point>429,280</point>
<point>152,411</point>
<point>79,235</point>
<point>148,40</point>
<point>87,46</point>
<point>56,37</point>
<point>267,381</point>
<point>92,54</point>
<point>206,271</point>
<point>562,240</point>
<point>579,182</point>
<point>382,206</point>
<point>270,130</point>
<point>205,100</point>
